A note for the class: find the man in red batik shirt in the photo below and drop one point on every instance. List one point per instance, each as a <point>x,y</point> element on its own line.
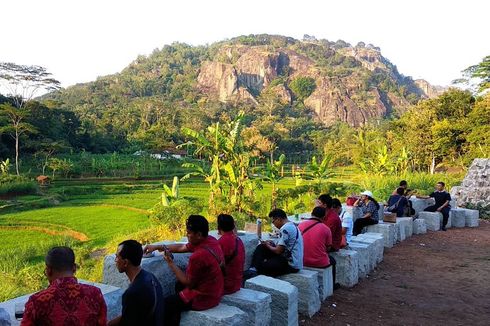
<point>65,301</point>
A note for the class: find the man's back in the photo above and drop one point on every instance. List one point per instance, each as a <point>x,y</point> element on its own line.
<point>332,220</point>
<point>142,302</point>
<point>234,253</point>
<point>316,239</point>
<point>66,302</point>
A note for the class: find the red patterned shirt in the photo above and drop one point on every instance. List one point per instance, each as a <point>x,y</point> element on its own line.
<point>66,302</point>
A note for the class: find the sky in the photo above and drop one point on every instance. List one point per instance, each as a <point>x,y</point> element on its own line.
<point>77,41</point>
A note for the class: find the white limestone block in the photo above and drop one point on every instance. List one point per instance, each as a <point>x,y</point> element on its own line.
<point>257,305</point>
<point>221,315</point>
<point>387,230</point>
<point>325,281</point>
<point>347,268</point>
<point>307,283</point>
<point>432,220</point>
<point>420,204</point>
<point>366,256</point>
<point>284,306</point>
<point>471,217</point>
<point>372,238</point>
<point>419,226</point>
<point>457,217</point>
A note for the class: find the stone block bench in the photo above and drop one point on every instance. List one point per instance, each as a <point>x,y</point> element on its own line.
<point>112,296</point>
<point>366,256</point>
<point>372,238</point>
<point>221,315</point>
<point>405,228</point>
<point>325,281</point>
<point>284,306</point>
<point>347,269</point>
<point>4,318</point>
<point>257,305</point>
<point>432,220</point>
<point>471,217</point>
<point>388,230</point>
<point>419,226</point>
<point>457,217</point>
<point>306,281</point>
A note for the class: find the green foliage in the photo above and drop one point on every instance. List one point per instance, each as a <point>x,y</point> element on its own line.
<point>175,214</point>
<point>14,184</point>
<point>320,172</point>
<point>273,174</point>
<point>480,73</point>
<point>302,87</point>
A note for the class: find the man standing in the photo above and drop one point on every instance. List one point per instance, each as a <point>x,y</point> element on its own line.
<point>234,252</point>
<point>284,257</point>
<point>201,286</point>
<point>442,199</point>
<point>65,301</point>
<point>142,302</point>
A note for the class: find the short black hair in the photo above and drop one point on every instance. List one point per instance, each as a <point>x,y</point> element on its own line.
<point>400,191</point>
<point>336,203</point>
<point>318,212</point>
<point>60,259</point>
<point>442,183</point>
<point>403,183</point>
<point>326,200</point>
<point>226,222</point>
<point>131,250</point>
<point>278,213</point>
<point>197,223</point>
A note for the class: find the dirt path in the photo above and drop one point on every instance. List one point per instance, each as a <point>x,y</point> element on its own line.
<point>440,278</point>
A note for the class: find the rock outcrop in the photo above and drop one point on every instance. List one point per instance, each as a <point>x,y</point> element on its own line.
<point>345,87</point>
<point>475,188</point>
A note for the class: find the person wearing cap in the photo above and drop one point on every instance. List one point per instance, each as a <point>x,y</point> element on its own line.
<point>369,208</point>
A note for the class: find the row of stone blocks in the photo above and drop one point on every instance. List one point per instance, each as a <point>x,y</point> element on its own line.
<point>458,218</point>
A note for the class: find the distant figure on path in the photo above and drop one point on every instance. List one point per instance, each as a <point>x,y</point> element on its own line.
<point>234,252</point>
<point>442,199</point>
<point>201,286</point>
<point>65,301</point>
<point>284,257</point>
<point>369,208</point>
<point>142,302</point>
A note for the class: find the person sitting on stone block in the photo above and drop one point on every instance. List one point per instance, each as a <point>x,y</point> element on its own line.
<point>397,203</point>
<point>369,209</point>
<point>346,220</point>
<point>142,302</point>
<point>317,239</point>
<point>284,257</point>
<point>65,301</point>
<point>201,286</point>
<point>332,220</point>
<point>442,199</point>
<point>407,193</point>
<point>234,252</point>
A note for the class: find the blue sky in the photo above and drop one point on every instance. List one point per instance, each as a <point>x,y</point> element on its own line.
<point>80,40</point>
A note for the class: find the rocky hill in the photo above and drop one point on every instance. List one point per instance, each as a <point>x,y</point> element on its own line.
<point>354,84</point>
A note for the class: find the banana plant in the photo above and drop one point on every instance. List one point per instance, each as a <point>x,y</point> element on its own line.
<point>272,174</point>
<point>170,195</point>
<point>320,171</point>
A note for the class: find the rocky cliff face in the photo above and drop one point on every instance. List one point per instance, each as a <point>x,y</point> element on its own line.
<point>428,90</point>
<point>354,90</point>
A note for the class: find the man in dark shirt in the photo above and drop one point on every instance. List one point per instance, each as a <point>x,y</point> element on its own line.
<point>142,302</point>
<point>234,252</point>
<point>201,286</point>
<point>65,301</point>
<point>442,199</point>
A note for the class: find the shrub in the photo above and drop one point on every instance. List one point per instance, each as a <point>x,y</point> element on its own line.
<point>175,215</point>
<point>16,184</point>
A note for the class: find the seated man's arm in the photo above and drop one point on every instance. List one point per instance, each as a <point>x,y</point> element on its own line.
<point>279,249</point>
<point>29,314</point>
<point>179,274</point>
<point>176,247</point>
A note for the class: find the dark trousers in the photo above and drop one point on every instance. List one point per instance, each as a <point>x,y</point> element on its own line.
<point>360,223</point>
<point>268,263</point>
<point>174,307</point>
<point>445,213</point>
<point>333,263</point>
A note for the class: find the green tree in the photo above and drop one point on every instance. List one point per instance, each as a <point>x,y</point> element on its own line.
<point>479,73</point>
<point>272,174</point>
<point>302,87</point>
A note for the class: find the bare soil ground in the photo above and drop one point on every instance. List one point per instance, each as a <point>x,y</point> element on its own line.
<point>438,278</point>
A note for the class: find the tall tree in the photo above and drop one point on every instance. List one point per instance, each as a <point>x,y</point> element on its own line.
<point>23,82</point>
